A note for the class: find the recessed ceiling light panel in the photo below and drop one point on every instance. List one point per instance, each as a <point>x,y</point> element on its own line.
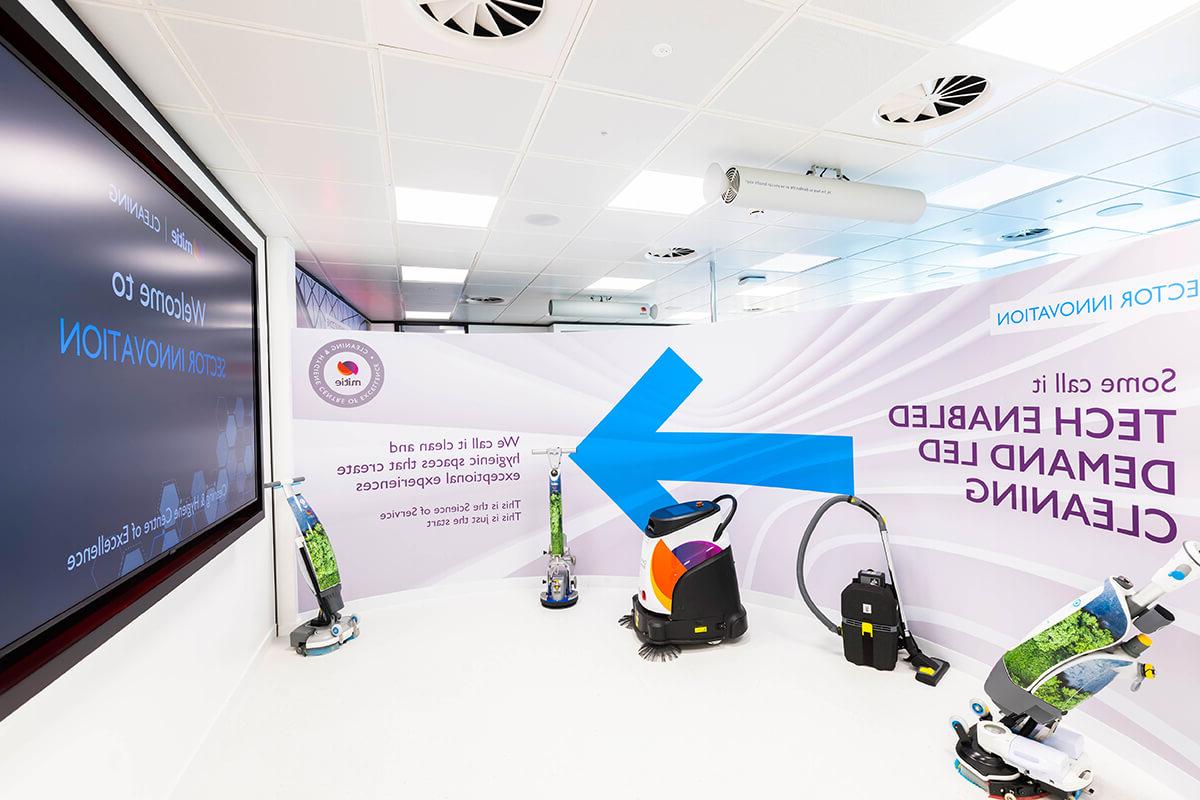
<point>433,275</point>
<point>426,316</point>
<point>662,192</point>
<point>931,101</point>
<point>619,284</point>
<point>444,208</point>
<point>995,186</point>
<point>485,19</point>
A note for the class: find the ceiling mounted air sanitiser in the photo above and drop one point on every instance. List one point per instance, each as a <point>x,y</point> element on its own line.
<point>485,19</point>
<point>609,311</point>
<point>812,194</point>
<point>933,100</point>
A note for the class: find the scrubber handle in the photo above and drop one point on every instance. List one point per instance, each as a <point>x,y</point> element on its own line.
<point>732,510</point>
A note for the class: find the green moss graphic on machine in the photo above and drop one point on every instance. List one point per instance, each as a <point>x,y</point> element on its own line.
<point>330,629</point>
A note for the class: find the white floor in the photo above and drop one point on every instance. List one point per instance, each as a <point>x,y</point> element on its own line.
<point>481,693</point>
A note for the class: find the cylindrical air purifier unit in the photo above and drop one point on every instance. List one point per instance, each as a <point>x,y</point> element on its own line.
<point>747,187</point>
<point>590,310</point>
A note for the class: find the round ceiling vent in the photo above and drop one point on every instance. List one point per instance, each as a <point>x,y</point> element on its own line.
<point>483,300</point>
<point>675,255</point>
<point>933,100</point>
<point>485,19</point>
<point>1024,234</point>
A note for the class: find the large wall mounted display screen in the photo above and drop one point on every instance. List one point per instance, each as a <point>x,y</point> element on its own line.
<point>127,412</point>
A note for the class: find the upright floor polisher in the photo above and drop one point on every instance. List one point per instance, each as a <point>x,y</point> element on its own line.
<point>561,590</point>
<point>873,630</point>
<point>330,629</point>
<point>1021,750</point>
<point>688,588</point>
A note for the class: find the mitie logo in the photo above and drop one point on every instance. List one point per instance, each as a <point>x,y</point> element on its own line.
<point>346,373</point>
<point>180,240</point>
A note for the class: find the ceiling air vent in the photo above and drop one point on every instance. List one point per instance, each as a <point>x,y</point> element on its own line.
<point>483,300</point>
<point>485,19</point>
<point>672,255</point>
<point>933,100</point>
<point>1024,234</point>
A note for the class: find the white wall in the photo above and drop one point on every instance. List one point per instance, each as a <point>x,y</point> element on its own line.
<point>125,721</point>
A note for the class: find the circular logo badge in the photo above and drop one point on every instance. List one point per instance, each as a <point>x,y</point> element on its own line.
<point>346,373</point>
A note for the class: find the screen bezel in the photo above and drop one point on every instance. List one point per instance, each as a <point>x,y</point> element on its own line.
<point>33,661</point>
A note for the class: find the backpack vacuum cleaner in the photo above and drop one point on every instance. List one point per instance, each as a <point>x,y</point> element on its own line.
<point>688,588</point>
<point>561,589</point>
<point>873,630</point>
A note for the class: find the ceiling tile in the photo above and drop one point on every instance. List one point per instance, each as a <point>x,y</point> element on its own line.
<point>360,272</point>
<point>900,250</point>
<point>555,180</point>
<point>1157,65</point>
<point>778,239</point>
<point>552,281</point>
<point>855,156</point>
<point>439,237</point>
<point>707,37</point>
<point>1149,199</point>
<point>603,127</point>
<point>711,138</point>
<point>514,215</point>
<point>1039,120</point>
<point>377,300</point>
<point>933,216</point>
<point>596,268</point>
<point>643,269</point>
<point>1061,197</point>
<point>491,278</point>
<point>502,264</point>
<point>1131,136</point>
<point>450,167</point>
<point>345,231</point>
<point>352,253</point>
<point>308,152</point>
<point>537,50</point>
<point>415,256</point>
<point>928,172</point>
<point>341,20</point>
<point>1159,167</point>
<point>968,255</point>
<point>842,245</point>
<point>817,222</point>
<point>604,249</point>
<point>208,138</point>
<point>274,223</point>
<point>1085,241</point>
<point>247,188</point>
<point>631,226</point>
<point>304,196</point>
<point>137,45</point>
<point>974,229</point>
<point>523,244</point>
<point>438,101</point>
<point>1186,185</point>
<point>931,19</point>
<point>807,48</point>
<point>703,235</point>
<point>294,79</point>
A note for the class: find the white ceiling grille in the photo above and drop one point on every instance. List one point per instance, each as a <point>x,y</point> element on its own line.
<point>933,99</point>
<point>485,19</point>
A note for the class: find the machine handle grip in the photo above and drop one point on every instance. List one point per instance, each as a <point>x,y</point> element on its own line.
<point>552,450</point>
<point>732,510</point>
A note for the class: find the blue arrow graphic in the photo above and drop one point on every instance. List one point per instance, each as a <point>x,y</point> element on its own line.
<point>626,454</point>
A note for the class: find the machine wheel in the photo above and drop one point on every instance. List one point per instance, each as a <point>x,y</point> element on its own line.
<point>979,707</point>
<point>301,649</point>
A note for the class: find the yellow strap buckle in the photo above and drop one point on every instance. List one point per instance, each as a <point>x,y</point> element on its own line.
<point>868,630</point>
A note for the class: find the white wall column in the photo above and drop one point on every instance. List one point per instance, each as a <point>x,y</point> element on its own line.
<point>281,307</point>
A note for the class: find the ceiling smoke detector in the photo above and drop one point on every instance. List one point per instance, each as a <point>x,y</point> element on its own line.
<point>483,300</point>
<point>1024,234</point>
<point>672,255</point>
<point>932,100</point>
<point>485,19</point>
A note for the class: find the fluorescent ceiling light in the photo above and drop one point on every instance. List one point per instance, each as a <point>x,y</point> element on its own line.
<point>427,315</point>
<point>768,290</point>
<point>1153,219</point>
<point>996,186</point>
<point>661,191</point>
<point>620,284</point>
<point>444,208</point>
<point>433,275</point>
<point>795,262</point>
<point>1002,258</point>
<point>1062,34</point>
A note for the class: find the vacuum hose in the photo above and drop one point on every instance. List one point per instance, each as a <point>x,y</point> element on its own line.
<point>812,526</point>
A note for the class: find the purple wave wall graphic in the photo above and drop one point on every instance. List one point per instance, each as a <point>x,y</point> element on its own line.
<point>1041,491</point>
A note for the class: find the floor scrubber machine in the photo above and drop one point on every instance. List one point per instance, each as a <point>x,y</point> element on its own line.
<point>1020,750</point>
<point>688,588</point>
<point>330,629</point>
<point>873,630</point>
<point>560,591</point>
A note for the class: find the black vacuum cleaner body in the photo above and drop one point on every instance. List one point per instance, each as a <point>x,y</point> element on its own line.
<point>872,630</point>
<point>688,589</point>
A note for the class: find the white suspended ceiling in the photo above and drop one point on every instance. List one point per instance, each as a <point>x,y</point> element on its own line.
<point>311,112</point>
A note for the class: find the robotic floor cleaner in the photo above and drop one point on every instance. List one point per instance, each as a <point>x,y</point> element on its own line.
<point>688,589</point>
<point>873,630</point>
